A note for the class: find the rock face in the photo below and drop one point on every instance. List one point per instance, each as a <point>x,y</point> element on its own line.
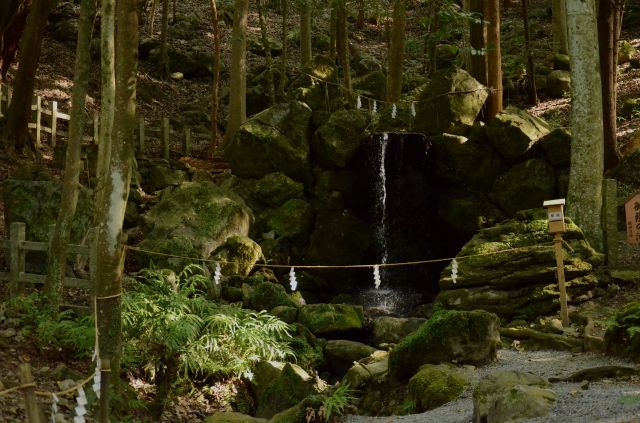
<point>274,140</point>
<point>519,283</point>
<point>341,353</point>
<point>339,237</point>
<point>450,103</point>
<point>194,220</point>
<point>622,337</point>
<point>525,186</point>
<point>509,396</point>
<point>336,141</point>
<point>470,337</point>
<point>513,131</point>
<point>331,319</point>
<point>435,385</point>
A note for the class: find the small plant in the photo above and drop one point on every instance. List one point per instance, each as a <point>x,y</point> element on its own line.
<point>333,406</point>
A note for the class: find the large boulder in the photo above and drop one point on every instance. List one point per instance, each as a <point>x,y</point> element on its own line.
<point>514,131</point>
<point>277,188</point>
<point>193,220</point>
<point>373,84</point>
<point>510,396</point>
<point>336,141</point>
<point>267,296</point>
<point>390,330</point>
<point>292,221</point>
<point>338,237</point>
<point>525,186</point>
<point>450,103</point>
<point>332,320</point>
<point>435,385</point>
<point>557,147</point>
<point>558,84</point>
<point>238,255</point>
<point>341,353</point>
<point>509,269</point>
<point>274,140</point>
<point>470,337</point>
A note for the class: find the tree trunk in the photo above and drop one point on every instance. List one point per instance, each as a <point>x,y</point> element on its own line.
<point>608,26</point>
<point>12,22</point>
<point>164,42</point>
<point>342,46</point>
<point>477,39</point>
<point>166,374</point>
<point>16,132</point>
<point>361,14</point>
<point>215,84</point>
<point>396,52</point>
<point>238,82</point>
<point>306,55</point>
<point>271,89</point>
<point>531,67</point>
<point>559,17</point>
<point>283,62</point>
<point>494,58</point>
<point>73,164</point>
<point>584,199</point>
<point>333,32</point>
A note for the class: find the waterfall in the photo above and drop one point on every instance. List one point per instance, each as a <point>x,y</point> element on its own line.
<point>380,195</point>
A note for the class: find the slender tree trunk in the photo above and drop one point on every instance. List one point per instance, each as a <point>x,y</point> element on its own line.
<point>73,164</point>
<point>559,17</point>
<point>431,41</point>
<point>271,89</point>
<point>494,58</point>
<point>12,22</point>
<point>333,32</point>
<point>584,199</point>
<point>215,85</point>
<point>361,14</point>
<point>306,55</point>
<point>477,39</point>
<point>531,67</point>
<point>16,132</point>
<point>238,82</point>
<point>164,42</point>
<point>609,11</point>
<point>152,15</point>
<point>283,63</point>
<point>396,52</point>
<point>342,45</point>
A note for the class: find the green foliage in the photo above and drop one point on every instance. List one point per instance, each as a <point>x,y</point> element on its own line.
<point>333,406</point>
<point>165,315</point>
<point>623,332</point>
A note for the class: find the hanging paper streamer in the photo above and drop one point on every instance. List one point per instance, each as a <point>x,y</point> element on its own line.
<point>394,111</point>
<point>454,270</point>
<point>217,274</point>
<point>80,408</point>
<point>374,110</point>
<point>293,282</point>
<point>96,379</point>
<point>358,103</point>
<point>54,407</point>
<point>413,109</point>
<point>376,276</point>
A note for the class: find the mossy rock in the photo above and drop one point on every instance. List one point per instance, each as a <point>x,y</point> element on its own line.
<point>274,140</point>
<point>390,330</point>
<point>561,62</point>
<point>630,108</point>
<point>435,385</point>
<point>238,255</point>
<point>446,55</point>
<point>339,237</point>
<point>623,334</point>
<point>514,131</point>
<point>373,84</point>
<point>286,313</point>
<point>293,221</point>
<point>557,147</point>
<point>469,337</point>
<point>330,181</point>
<point>277,188</point>
<point>319,96</point>
<point>450,103</point>
<point>525,186</point>
<point>558,84</point>
<point>267,295</point>
<point>232,417</point>
<point>467,212</point>
<point>336,142</point>
<point>341,353</point>
<point>332,319</point>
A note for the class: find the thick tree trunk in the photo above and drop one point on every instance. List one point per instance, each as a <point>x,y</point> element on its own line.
<point>396,52</point>
<point>361,14</point>
<point>494,58</point>
<point>559,17</point>
<point>608,27</point>
<point>12,22</point>
<point>238,82</point>
<point>531,67</point>
<point>16,133</point>
<point>271,89</point>
<point>584,202</point>
<point>164,40</point>
<point>215,84</point>
<point>73,164</point>
<point>342,46</point>
<point>306,55</point>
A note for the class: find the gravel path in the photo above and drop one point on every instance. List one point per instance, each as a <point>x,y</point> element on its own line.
<point>602,402</point>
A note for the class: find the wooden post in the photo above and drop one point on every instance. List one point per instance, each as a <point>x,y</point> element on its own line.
<point>610,217</point>
<point>165,135</point>
<point>186,142</point>
<point>54,122</point>
<point>564,312</point>
<point>34,414</point>
<point>17,234</point>
<point>105,379</point>
<point>38,120</point>
<point>141,140</point>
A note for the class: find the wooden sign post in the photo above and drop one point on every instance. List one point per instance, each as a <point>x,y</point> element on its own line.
<point>555,215</point>
<point>632,214</point>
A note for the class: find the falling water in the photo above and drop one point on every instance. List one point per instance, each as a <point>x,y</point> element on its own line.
<point>381,201</point>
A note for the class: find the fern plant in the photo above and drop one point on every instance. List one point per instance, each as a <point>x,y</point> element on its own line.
<point>333,406</point>
<point>172,328</point>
